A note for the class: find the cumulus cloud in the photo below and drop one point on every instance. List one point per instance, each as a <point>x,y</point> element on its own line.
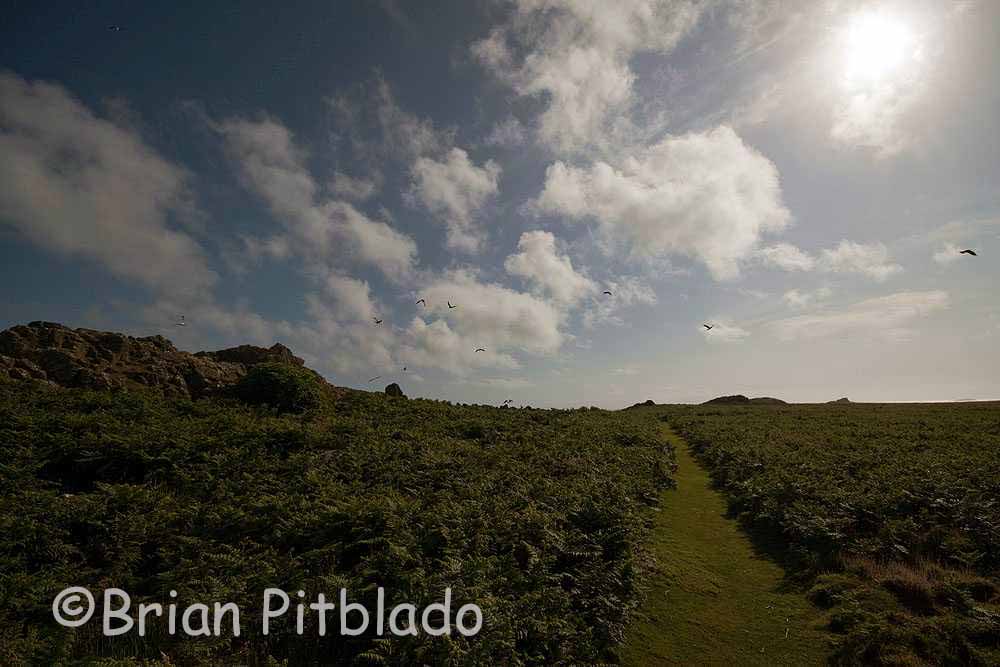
<point>353,297</point>
<point>454,190</point>
<point>539,262</point>
<point>871,260</point>
<point>576,56</point>
<point>79,185</point>
<point>435,344</point>
<point>320,230</point>
<point>487,315</point>
<point>786,256</point>
<point>886,317</point>
<point>705,195</point>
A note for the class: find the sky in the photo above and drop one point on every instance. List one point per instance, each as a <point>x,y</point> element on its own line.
<point>799,175</point>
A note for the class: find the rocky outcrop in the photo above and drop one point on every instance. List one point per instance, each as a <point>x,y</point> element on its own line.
<point>841,400</point>
<point>740,399</point>
<point>104,360</point>
<point>394,390</point>
<point>767,400</point>
<point>736,399</point>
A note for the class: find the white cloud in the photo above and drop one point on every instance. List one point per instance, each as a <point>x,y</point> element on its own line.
<point>508,133</point>
<point>576,56</point>
<point>705,195</point>
<point>351,188</point>
<point>435,344</point>
<point>319,230</point>
<point>871,260</point>
<point>948,254</point>
<point>505,383</point>
<point>372,241</point>
<point>724,332</point>
<point>626,291</point>
<point>799,299</point>
<point>454,190</point>
<point>377,129</point>
<point>868,259</point>
<point>540,263</point>
<point>486,315</point>
<point>352,296</point>
<point>886,316</point>
<point>788,257</point>
<point>79,185</point>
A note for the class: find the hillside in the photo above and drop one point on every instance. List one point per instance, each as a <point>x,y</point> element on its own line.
<point>538,516</point>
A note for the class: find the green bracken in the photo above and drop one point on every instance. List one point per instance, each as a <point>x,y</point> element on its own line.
<point>537,516</point>
<point>892,512</point>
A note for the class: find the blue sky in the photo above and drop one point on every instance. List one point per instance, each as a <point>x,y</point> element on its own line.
<point>800,175</point>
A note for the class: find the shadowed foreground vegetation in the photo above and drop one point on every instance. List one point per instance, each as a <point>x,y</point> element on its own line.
<point>536,516</point>
<point>890,512</point>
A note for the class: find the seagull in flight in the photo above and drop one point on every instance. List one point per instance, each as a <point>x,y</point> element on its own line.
<point>480,349</point>
<point>377,321</point>
<point>607,292</point>
<point>375,378</point>
<point>708,326</point>
<point>451,306</point>
<point>968,252</point>
<point>181,322</point>
<point>421,301</point>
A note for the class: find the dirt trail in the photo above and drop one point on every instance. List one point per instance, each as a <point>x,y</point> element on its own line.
<point>718,600</point>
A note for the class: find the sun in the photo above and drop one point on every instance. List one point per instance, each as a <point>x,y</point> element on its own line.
<point>877,47</point>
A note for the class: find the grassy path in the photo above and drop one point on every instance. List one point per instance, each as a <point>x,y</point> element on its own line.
<point>718,600</point>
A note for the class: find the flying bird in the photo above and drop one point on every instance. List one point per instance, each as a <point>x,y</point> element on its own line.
<point>421,301</point>
<point>607,292</point>
<point>451,306</point>
<point>708,326</point>
<point>375,378</point>
<point>480,349</point>
<point>404,369</point>
<point>968,252</point>
<point>377,321</point>
<point>114,28</point>
<point>181,322</point>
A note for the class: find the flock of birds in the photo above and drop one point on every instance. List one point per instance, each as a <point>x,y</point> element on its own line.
<point>423,302</point>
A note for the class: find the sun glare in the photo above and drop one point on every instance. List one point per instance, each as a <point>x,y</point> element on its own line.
<point>878,46</point>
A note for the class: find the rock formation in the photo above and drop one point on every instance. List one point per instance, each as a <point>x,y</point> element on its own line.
<point>104,360</point>
<point>740,399</point>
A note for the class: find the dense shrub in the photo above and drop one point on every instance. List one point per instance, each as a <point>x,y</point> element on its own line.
<point>285,387</point>
<point>894,508</point>
<point>538,517</point>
